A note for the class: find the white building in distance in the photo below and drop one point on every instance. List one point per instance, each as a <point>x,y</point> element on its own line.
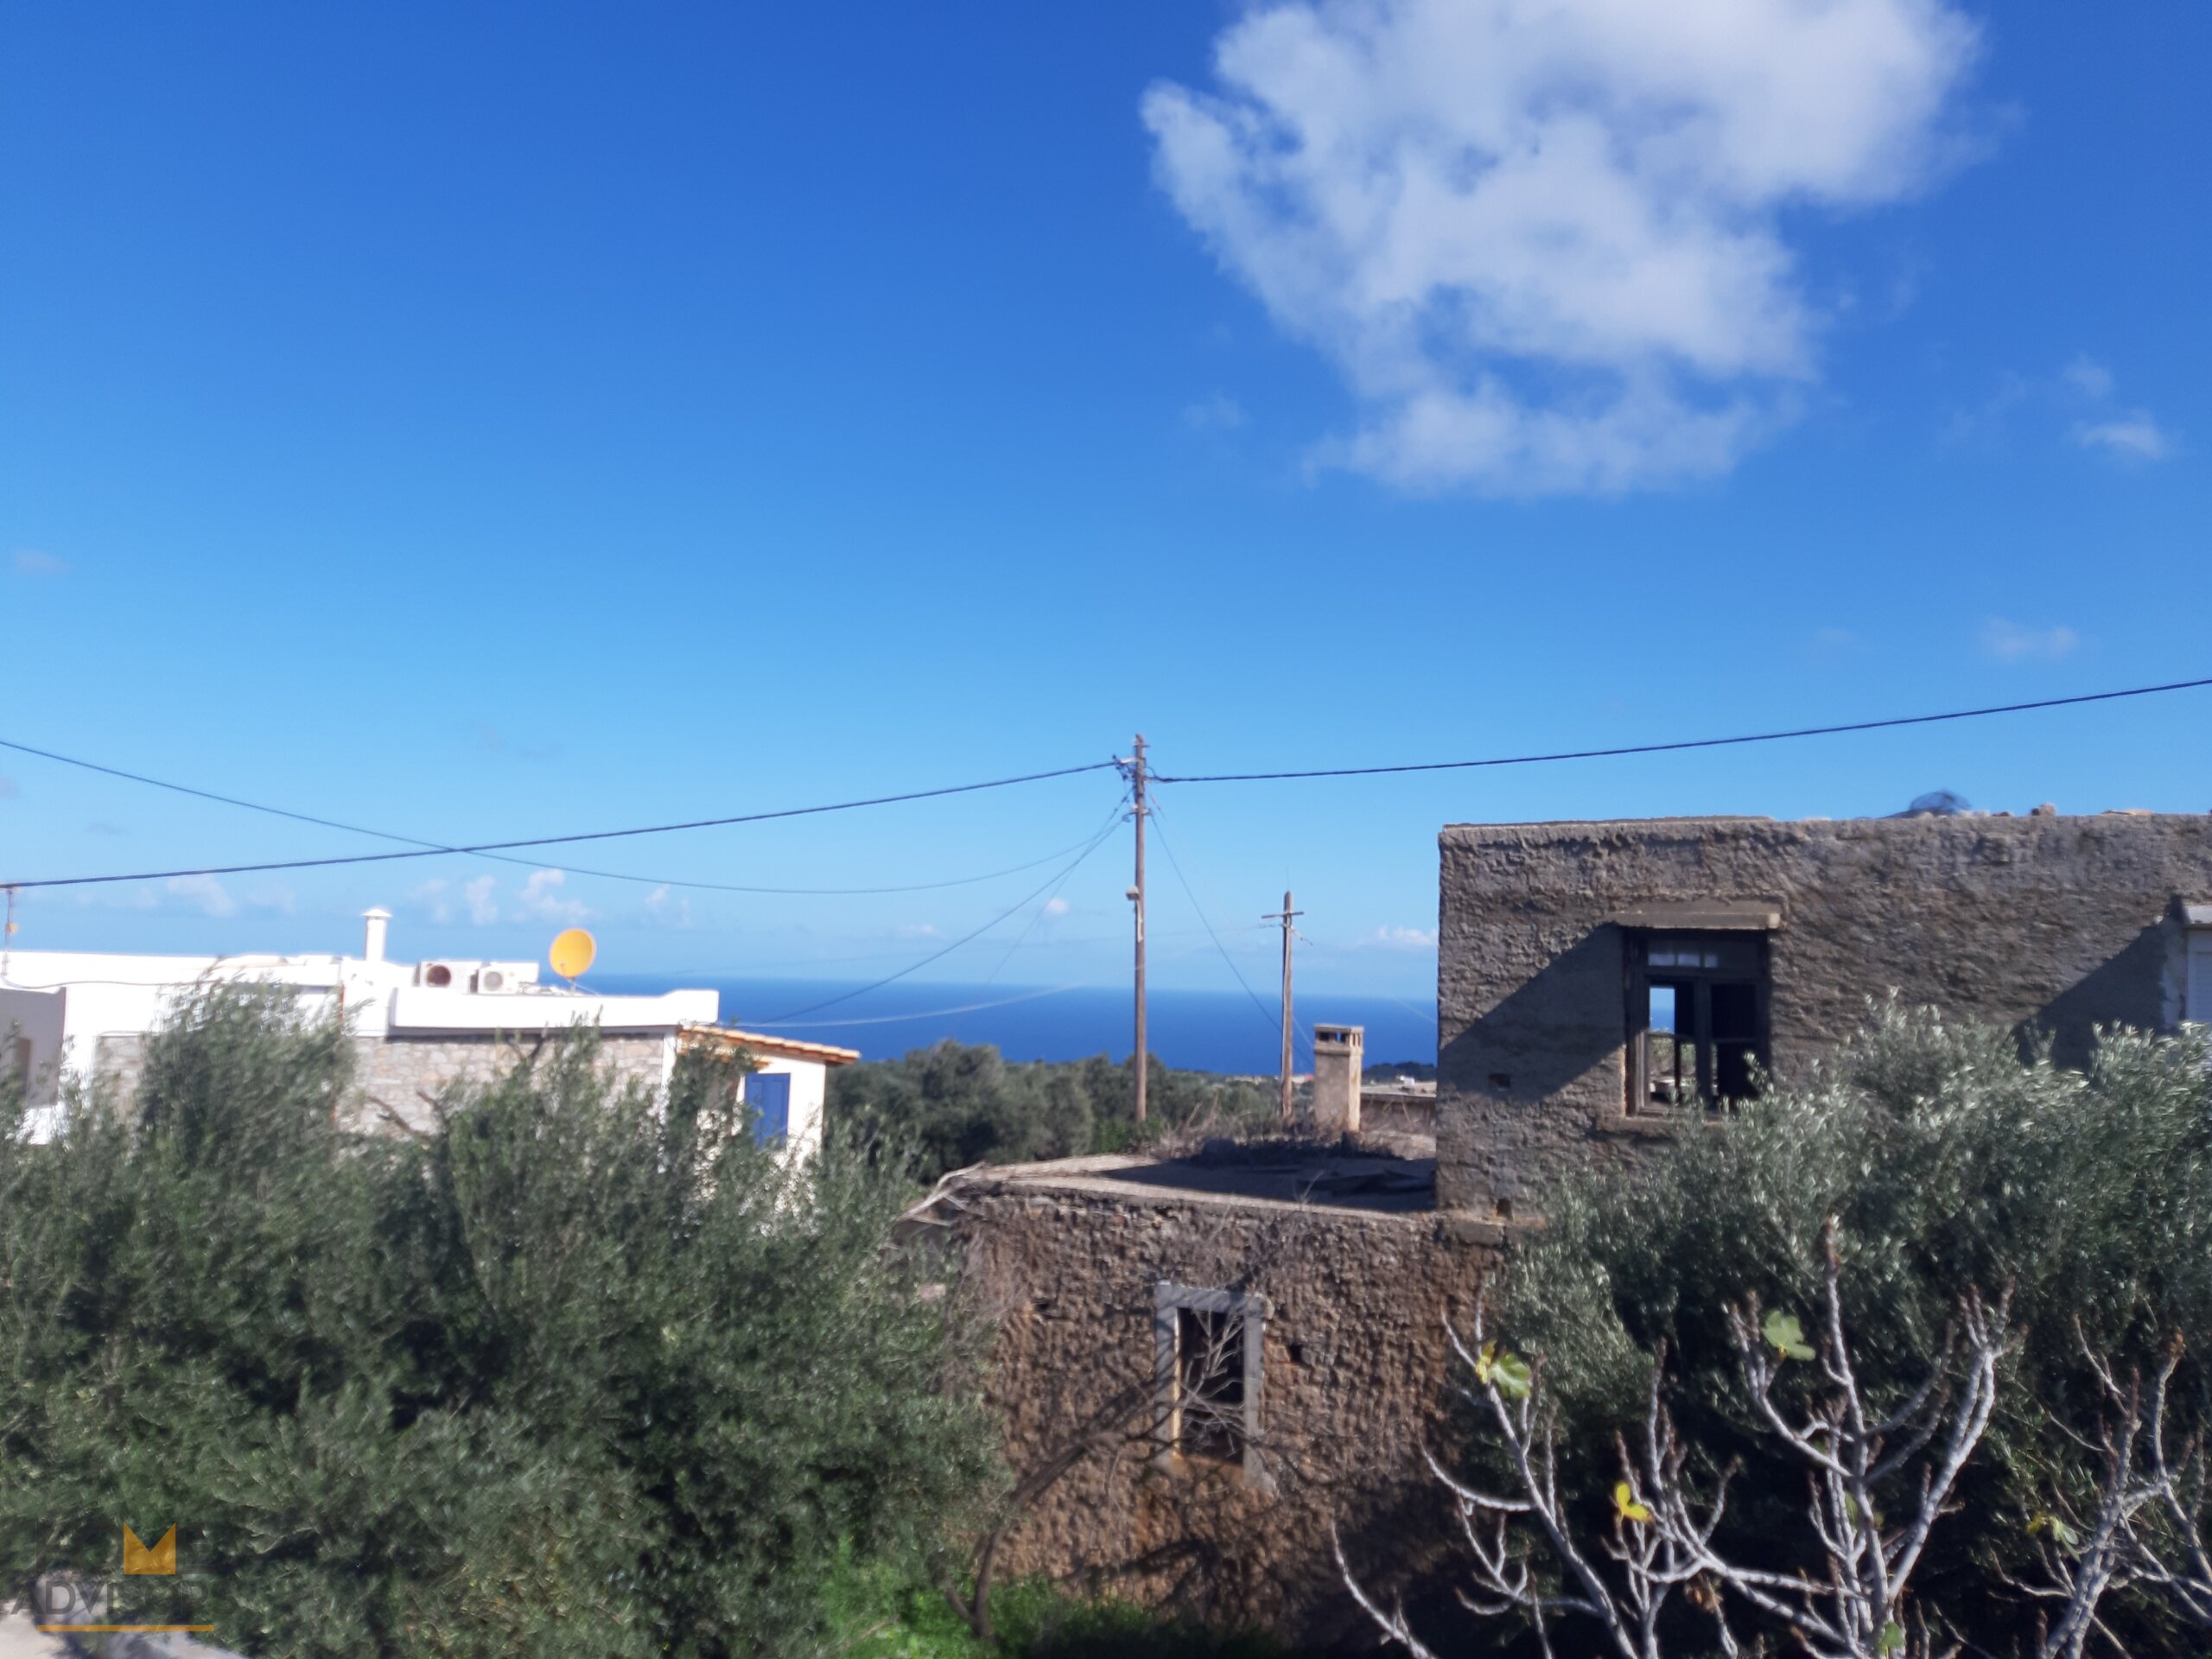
<point>82,1017</point>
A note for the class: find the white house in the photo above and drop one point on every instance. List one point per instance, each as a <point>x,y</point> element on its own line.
<point>72,1016</point>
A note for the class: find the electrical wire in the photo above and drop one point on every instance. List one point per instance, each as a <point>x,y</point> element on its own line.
<point>525,863</point>
<point>1176,864</point>
<point>792,1014</point>
<point>1690,743</point>
<point>924,1014</point>
<point>432,850</point>
<point>1098,983</point>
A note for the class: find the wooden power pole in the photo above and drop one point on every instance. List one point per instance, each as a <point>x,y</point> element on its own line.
<point>1282,1099</point>
<point>1136,898</point>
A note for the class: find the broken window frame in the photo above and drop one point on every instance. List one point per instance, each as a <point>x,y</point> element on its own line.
<point>1694,983</point>
<point>1177,1311</point>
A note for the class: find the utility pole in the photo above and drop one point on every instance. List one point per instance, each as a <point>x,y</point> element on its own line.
<point>1136,898</point>
<point>1282,1099</point>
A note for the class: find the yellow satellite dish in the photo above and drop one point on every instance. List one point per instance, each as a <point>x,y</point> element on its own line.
<point>572,952</point>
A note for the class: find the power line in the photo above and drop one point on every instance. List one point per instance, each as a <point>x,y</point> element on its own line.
<point>525,863</point>
<point>932,1014</point>
<point>1095,842</point>
<point>1688,743</point>
<point>489,847</point>
<point>968,1007</point>
<point>1176,864</point>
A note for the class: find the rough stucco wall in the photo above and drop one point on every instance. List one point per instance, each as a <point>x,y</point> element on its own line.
<point>1353,1367</point>
<point>2056,921</point>
<point>399,1073</point>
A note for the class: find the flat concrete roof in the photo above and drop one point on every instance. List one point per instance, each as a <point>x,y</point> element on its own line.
<point>1335,1177</point>
<point>1895,818</point>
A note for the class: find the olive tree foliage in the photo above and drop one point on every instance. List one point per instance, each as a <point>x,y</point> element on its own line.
<point>1879,1475</point>
<point>577,1369</point>
<point>957,1104</point>
<point>1951,1167</point>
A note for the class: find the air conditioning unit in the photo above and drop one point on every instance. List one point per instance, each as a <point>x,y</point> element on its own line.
<point>445,976</point>
<point>504,978</point>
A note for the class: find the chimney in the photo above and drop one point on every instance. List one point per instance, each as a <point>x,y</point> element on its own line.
<point>1339,1057</point>
<point>372,942</point>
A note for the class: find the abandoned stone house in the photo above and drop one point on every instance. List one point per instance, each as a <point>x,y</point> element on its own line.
<point>1599,983</point>
<point>1204,1364</point>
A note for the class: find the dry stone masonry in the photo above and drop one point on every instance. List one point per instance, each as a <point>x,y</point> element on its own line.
<point>2049,922</point>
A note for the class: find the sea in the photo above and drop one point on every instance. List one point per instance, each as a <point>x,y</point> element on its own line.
<point>1200,1031</point>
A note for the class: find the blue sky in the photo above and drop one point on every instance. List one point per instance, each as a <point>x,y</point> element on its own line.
<point>492,420</point>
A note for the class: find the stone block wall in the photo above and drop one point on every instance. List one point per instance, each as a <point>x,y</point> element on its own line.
<point>1352,1371</point>
<point>2061,922</point>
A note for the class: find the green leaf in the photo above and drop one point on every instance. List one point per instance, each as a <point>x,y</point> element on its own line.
<point>1785,1336</point>
<point>1892,1638</point>
<point>2061,1535</point>
<point>1510,1373</point>
<point>1626,1507</point>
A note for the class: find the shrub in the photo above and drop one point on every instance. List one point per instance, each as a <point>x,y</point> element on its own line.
<point>956,1105</point>
<point>576,1371</point>
<point>1951,1165</point>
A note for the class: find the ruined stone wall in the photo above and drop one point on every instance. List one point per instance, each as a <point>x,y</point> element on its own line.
<point>1352,1371</point>
<point>2059,922</point>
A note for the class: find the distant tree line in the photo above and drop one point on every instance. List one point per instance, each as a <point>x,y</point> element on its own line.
<point>954,1104</point>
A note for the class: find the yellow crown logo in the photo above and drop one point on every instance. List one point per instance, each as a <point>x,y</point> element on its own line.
<point>139,1560</point>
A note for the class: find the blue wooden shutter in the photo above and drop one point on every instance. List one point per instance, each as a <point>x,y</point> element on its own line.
<point>769,1095</point>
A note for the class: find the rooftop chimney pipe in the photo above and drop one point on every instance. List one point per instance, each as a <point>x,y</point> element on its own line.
<point>372,944</point>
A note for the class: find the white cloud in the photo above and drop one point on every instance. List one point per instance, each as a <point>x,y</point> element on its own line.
<point>1218,412</point>
<point>432,894</point>
<point>483,907</point>
<point>1057,906</point>
<point>2077,391</point>
<point>204,893</point>
<point>541,899</point>
<point>2009,642</point>
<point>1405,938</point>
<point>1542,239</point>
<point>8,788</point>
<point>2088,376</point>
<point>29,561</point>
<point>671,908</point>
<point>917,931</point>
<point>2134,437</point>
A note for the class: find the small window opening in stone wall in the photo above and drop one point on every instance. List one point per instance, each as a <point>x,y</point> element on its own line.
<point>1210,1362</point>
<point>1208,1346</point>
<point>1697,1016</point>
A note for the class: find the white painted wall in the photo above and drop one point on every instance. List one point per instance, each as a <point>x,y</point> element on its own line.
<point>810,1089</point>
<point>65,1001</point>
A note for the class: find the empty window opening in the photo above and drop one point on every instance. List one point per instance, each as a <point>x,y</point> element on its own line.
<point>1207,1345</point>
<point>1697,1020</point>
<point>1210,1384</point>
